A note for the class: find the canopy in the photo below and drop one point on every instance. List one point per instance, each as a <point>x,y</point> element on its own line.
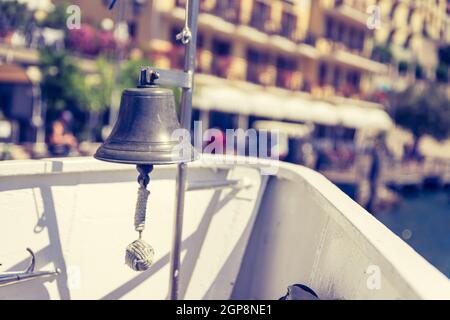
<point>289,107</point>
<point>225,99</point>
<point>364,118</point>
<point>312,111</point>
<point>290,129</point>
<point>11,73</point>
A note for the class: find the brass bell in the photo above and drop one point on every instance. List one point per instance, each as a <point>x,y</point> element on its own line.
<point>144,131</point>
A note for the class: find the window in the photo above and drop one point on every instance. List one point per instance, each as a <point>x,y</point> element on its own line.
<point>353,78</point>
<point>288,25</point>
<point>256,62</point>
<point>323,73</point>
<point>222,58</point>
<point>286,68</point>
<point>337,77</point>
<point>260,15</point>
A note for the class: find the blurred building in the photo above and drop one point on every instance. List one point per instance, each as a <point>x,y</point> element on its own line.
<point>259,53</point>
<point>277,60</point>
<point>413,30</point>
<point>297,60</point>
<point>320,47</point>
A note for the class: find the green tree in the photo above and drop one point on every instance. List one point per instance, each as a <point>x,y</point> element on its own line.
<point>63,81</point>
<point>15,16</point>
<point>66,87</point>
<point>57,18</point>
<point>424,110</point>
<point>97,95</point>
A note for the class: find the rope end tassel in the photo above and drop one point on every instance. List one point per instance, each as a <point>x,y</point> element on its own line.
<point>139,254</point>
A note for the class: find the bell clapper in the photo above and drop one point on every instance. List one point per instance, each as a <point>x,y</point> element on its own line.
<point>139,254</point>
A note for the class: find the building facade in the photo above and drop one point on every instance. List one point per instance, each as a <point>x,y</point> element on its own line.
<point>413,30</point>
<point>319,47</point>
<point>316,50</point>
<point>322,47</point>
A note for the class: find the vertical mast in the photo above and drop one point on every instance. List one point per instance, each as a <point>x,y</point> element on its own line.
<point>188,36</point>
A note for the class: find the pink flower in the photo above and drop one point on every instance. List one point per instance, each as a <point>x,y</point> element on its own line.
<point>91,41</point>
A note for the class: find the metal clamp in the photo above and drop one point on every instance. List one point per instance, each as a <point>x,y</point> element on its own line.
<point>185,35</point>
<point>172,78</point>
<point>9,278</point>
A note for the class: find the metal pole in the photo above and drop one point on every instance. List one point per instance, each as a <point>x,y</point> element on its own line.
<point>119,56</point>
<point>192,8</point>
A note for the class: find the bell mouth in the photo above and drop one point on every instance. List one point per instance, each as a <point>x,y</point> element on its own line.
<point>160,154</point>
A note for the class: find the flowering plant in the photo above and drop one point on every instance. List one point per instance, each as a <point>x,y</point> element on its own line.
<point>90,40</point>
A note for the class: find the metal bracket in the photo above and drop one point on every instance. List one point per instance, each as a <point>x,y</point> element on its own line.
<point>9,278</point>
<point>173,78</point>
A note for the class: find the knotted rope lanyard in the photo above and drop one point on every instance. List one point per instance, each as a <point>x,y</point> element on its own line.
<point>139,254</point>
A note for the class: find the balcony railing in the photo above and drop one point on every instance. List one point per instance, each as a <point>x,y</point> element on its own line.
<point>341,34</point>
<point>349,90</point>
<point>259,73</point>
<point>287,79</point>
<point>228,10</point>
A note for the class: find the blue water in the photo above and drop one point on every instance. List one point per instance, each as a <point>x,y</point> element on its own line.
<point>422,219</point>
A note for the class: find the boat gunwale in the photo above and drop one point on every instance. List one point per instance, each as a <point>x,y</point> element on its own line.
<point>417,274</point>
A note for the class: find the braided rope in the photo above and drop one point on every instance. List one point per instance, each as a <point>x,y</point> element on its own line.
<point>141,209</point>
<point>139,254</point>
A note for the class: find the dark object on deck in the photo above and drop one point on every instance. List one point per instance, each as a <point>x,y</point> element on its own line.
<point>61,140</point>
<point>374,174</point>
<point>300,292</point>
<point>143,133</point>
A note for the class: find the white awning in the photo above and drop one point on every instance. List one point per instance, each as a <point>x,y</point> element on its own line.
<point>290,129</point>
<point>260,103</point>
<point>312,111</point>
<point>264,104</point>
<point>364,118</point>
<point>267,105</point>
<point>225,99</point>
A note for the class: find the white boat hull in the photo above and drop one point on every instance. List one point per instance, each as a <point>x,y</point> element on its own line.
<point>251,243</point>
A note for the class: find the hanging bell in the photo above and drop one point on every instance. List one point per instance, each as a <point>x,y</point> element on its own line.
<point>147,130</point>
